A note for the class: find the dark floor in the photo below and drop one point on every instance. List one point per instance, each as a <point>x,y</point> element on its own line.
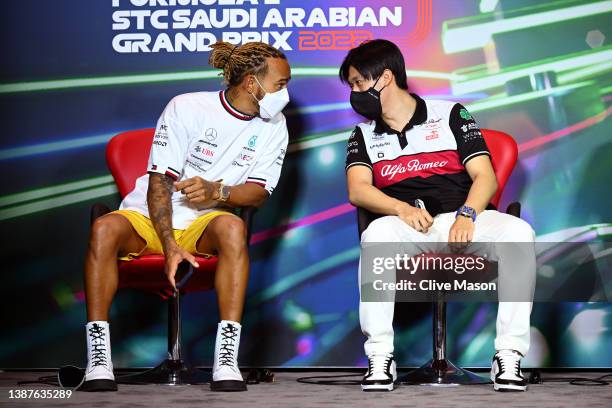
<point>286,392</point>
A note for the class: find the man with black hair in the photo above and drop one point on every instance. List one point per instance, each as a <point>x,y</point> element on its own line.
<point>433,151</point>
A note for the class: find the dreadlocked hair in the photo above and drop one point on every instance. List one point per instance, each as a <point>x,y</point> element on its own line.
<point>237,61</point>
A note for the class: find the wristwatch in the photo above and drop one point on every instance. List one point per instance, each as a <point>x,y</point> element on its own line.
<point>466,211</point>
<point>224,192</point>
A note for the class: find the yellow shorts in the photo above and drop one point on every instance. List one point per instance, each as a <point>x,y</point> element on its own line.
<point>186,239</point>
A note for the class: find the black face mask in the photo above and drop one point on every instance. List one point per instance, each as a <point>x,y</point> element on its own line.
<point>367,103</point>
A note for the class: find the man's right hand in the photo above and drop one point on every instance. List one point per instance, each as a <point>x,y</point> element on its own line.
<point>174,256</point>
<point>417,218</point>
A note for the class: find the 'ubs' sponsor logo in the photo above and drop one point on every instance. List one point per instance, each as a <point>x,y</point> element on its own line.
<point>204,151</point>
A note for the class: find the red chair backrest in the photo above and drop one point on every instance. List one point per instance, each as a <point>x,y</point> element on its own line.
<point>126,156</point>
<point>504,153</point>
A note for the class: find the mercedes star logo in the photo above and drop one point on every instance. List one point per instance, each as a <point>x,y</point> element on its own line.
<point>210,134</point>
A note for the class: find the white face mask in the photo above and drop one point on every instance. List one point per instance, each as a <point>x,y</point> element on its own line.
<point>272,103</point>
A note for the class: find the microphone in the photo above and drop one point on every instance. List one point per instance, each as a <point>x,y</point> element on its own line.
<point>431,204</point>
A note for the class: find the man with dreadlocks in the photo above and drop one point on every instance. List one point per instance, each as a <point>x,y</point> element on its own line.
<point>211,151</point>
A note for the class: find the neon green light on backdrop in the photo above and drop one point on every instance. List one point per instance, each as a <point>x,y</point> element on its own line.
<point>478,79</point>
<point>71,83</point>
<point>457,37</point>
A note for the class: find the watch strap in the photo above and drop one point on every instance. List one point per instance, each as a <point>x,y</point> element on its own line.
<point>466,211</point>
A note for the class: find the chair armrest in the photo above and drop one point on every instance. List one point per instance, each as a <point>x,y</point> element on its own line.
<point>247,214</point>
<point>514,209</point>
<point>98,210</point>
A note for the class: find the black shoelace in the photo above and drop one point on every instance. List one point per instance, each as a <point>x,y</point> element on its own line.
<point>371,365</point>
<point>228,341</point>
<point>517,367</point>
<point>98,351</point>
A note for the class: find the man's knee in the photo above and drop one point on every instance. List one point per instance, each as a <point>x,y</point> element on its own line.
<point>231,232</point>
<point>383,229</point>
<point>519,230</point>
<point>106,231</point>
<point>390,229</point>
<point>374,232</point>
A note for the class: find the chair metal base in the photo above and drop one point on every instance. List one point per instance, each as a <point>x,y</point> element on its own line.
<point>442,373</point>
<point>169,372</point>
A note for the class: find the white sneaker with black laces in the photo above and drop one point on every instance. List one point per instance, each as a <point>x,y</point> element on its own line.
<point>226,374</point>
<point>99,372</point>
<point>381,374</point>
<point>506,371</point>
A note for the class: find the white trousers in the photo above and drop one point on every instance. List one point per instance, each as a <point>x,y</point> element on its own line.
<point>513,318</point>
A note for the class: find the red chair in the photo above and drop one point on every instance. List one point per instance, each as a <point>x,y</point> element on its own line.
<point>126,155</point>
<point>439,370</point>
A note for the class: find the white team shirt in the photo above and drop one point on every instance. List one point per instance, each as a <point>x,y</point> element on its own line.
<point>201,134</point>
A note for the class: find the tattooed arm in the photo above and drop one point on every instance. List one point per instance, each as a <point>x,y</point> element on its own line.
<point>159,202</point>
<point>160,207</point>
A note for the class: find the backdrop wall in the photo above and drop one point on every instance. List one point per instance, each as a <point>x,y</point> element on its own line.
<point>74,73</point>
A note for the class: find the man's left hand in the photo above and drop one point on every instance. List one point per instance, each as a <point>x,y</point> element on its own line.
<point>198,190</point>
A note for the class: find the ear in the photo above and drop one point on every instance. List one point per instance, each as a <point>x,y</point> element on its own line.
<point>387,77</point>
<point>248,83</point>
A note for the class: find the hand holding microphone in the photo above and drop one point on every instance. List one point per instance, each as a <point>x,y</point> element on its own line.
<point>417,217</point>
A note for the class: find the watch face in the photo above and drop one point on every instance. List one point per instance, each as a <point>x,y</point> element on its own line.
<point>468,212</point>
<point>225,192</point>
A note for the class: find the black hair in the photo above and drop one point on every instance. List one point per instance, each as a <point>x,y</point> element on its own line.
<point>371,58</point>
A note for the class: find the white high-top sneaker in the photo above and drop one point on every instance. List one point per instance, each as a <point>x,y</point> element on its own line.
<point>226,374</point>
<point>99,373</point>
<point>506,371</point>
<point>381,374</point>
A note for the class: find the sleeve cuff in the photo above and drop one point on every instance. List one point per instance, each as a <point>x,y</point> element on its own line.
<point>167,170</point>
<point>357,164</point>
<point>471,156</point>
<point>260,182</point>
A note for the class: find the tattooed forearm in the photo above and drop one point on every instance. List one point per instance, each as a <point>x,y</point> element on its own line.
<point>160,206</point>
